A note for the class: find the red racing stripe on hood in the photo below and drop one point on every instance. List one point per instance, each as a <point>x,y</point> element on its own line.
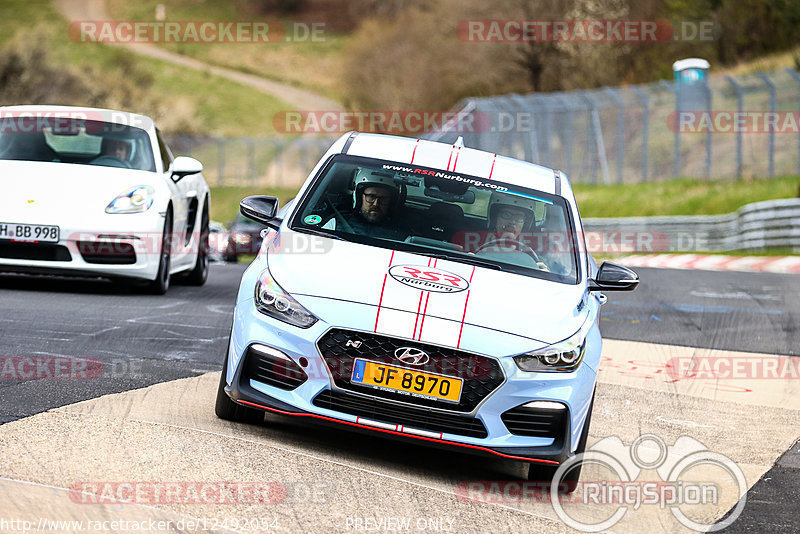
<point>383,288</point>
<point>464,315</point>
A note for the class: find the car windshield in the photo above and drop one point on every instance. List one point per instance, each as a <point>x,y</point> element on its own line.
<point>76,141</point>
<point>442,214</point>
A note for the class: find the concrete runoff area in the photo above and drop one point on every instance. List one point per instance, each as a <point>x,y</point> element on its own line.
<point>335,480</point>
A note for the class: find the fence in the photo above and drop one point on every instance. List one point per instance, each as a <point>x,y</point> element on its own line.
<point>264,162</point>
<point>626,134</point>
<point>633,134</point>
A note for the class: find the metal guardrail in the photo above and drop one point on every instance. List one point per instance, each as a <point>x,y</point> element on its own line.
<point>756,226</point>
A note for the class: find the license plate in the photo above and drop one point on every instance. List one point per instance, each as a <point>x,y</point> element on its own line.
<point>415,383</point>
<point>29,233</point>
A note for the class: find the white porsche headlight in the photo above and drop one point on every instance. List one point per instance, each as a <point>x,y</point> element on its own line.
<point>561,357</point>
<point>136,200</point>
<point>272,300</point>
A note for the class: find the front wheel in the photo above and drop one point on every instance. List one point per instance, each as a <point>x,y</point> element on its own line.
<point>160,285</point>
<point>199,274</point>
<point>226,408</point>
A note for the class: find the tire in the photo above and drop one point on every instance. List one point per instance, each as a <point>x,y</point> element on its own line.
<point>199,274</point>
<point>160,285</point>
<point>569,482</point>
<point>227,409</point>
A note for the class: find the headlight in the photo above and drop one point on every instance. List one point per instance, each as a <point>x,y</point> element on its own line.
<point>241,239</point>
<point>561,357</point>
<point>272,300</point>
<point>135,200</point>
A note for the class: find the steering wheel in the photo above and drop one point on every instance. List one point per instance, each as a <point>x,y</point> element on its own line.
<point>111,161</point>
<point>522,247</point>
<point>339,218</point>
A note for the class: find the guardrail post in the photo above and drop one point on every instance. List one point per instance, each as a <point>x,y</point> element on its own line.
<point>251,160</point>
<point>796,77</point>
<point>771,87</point>
<point>676,159</point>
<point>529,141</point>
<point>620,131</point>
<point>739,93</point>
<point>568,108</point>
<point>548,128</point>
<point>645,100</point>
<point>597,132</point>
<point>220,160</point>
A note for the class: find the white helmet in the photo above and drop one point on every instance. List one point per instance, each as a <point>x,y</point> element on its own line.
<point>500,200</point>
<point>374,178</point>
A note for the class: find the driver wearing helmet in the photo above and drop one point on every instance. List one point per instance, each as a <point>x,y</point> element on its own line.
<point>376,203</point>
<point>116,148</point>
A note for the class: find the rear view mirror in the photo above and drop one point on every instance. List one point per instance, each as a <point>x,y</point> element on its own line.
<point>261,208</point>
<point>184,166</point>
<point>613,277</point>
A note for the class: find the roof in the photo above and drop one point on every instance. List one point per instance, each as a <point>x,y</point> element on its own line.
<point>453,158</point>
<point>691,63</point>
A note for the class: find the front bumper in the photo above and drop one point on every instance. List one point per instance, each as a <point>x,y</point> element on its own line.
<point>572,390</point>
<point>112,246</point>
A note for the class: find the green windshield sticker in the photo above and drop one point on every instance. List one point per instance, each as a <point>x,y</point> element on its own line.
<point>312,219</point>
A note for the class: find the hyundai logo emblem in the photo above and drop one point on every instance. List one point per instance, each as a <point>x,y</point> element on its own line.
<point>412,356</point>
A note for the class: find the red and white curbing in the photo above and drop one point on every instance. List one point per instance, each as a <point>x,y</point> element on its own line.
<point>714,262</point>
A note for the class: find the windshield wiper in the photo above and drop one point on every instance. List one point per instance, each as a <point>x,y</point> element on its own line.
<point>319,233</point>
<point>471,261</point>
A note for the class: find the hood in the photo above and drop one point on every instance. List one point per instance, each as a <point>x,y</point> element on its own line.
<point>398,284</point>
<point>55,189</point>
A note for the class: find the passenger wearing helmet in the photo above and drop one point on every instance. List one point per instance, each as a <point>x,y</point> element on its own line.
<point>376,203</point>
<point>509,215</point>
<point>511,219</point>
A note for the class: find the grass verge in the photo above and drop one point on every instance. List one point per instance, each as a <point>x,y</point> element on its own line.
<point>178,98</point>
<point>680,196</point>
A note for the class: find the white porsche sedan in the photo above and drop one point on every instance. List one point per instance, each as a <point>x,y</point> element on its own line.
<point>95,192</point>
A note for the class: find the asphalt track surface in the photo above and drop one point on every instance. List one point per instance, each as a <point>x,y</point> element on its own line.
<point>161,357</point>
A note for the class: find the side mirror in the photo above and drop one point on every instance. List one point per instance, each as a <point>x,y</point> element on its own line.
<point>261,209</point>
<point>613,277</point>
<point>184,166</point>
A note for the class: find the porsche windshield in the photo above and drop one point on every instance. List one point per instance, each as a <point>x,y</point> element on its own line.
<point>67,140</point>
<point>442,214</point>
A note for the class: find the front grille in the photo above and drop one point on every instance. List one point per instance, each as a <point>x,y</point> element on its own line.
<point>279,372</point>
<point>340,348</point>
<point>107,252</point>
<point>536,422</point>
<point>398,414</point>
<point>34,251</point>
